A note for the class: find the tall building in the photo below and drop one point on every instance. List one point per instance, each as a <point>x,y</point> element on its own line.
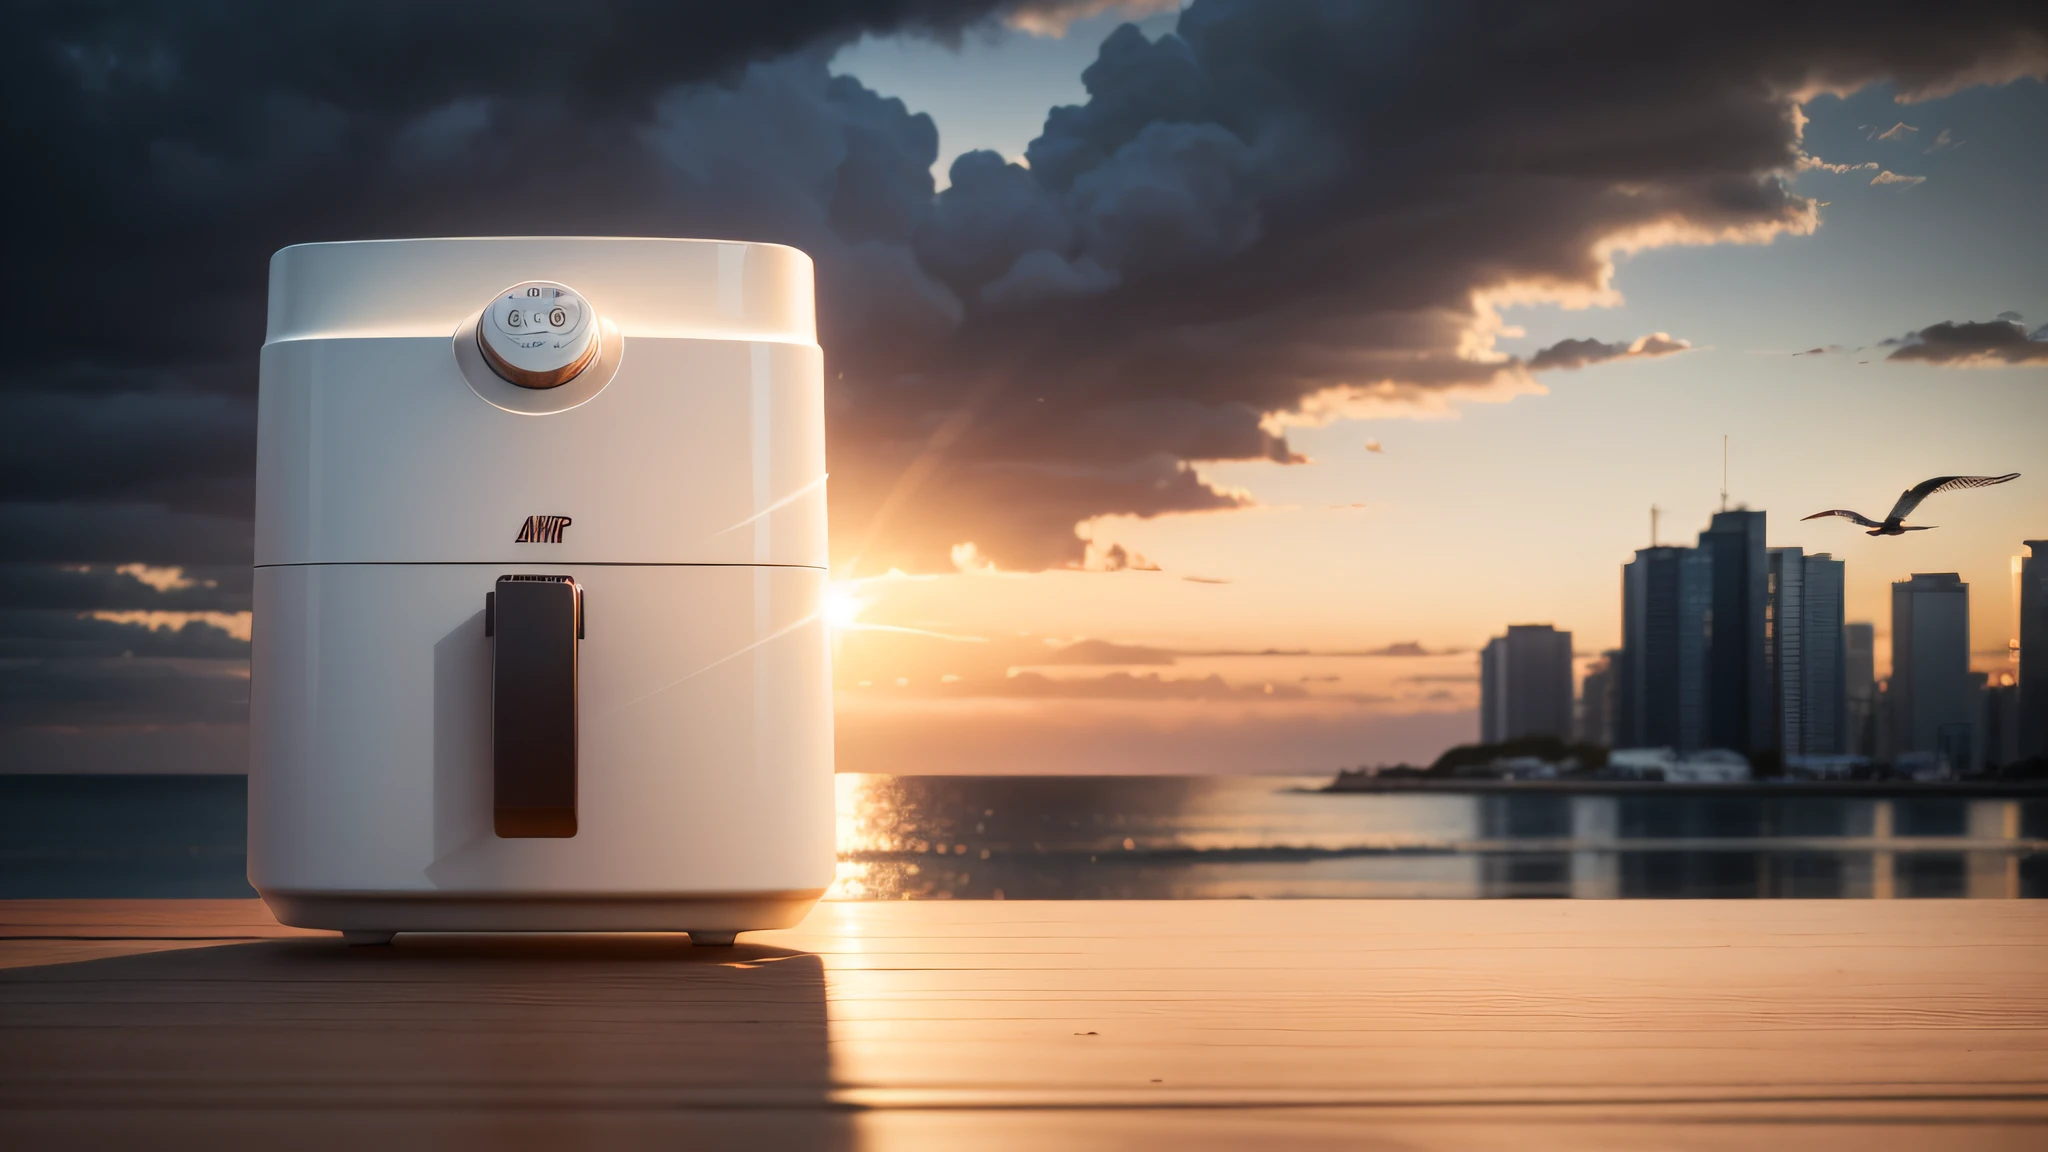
<point>1931,701</point>
<point>1660,684</point>
<point>1596,700</point>
<point>1997,720</point>
<point>1859,647</point>
<point>1738,701</point>
<point>1525,684</point>
<point>2033,677</point>
<point>1806,651</point>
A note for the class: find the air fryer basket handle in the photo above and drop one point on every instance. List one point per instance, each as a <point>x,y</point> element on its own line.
<point>534,623</point>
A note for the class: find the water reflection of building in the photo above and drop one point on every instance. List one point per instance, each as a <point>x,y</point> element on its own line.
<point>1749,846</point>
<point>1525,684</point>
<point>2033,638</point>
<point>1803,638</point>
<point>1930,694</point>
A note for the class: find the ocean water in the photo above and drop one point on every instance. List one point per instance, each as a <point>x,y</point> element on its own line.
<point>1179,837</point>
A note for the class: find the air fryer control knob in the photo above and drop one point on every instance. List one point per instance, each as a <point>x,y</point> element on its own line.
<point>538,334</point>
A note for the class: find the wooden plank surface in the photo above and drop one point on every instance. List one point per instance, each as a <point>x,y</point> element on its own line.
<point>1195,1024</point>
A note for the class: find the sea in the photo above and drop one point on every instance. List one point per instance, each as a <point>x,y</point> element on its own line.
<point>1182,838</point>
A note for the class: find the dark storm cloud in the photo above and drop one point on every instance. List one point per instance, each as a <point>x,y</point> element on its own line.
<point>167,150</point>
<point>1284,213</point>
<point>170,148</point>
<point>1970,344</point>
<point>1289,212</point>
<point>122,533</point>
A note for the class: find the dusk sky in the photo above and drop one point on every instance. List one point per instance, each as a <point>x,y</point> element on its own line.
<point>1155,339</point>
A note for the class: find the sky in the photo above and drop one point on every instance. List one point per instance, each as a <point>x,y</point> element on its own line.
<point>1204,386</point>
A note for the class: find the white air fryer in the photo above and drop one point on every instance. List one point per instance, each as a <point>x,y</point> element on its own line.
<point>540,554</point>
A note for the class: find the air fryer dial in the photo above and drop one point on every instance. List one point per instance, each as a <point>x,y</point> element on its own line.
<point>538,334</point>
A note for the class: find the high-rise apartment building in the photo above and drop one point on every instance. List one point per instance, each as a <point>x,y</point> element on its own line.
<point>1859,648</point>
<point>1930,694</point>
<point>1739,711</point>
<point>1997,720</point>
<point>1596,700</point>
<point>1660,683</point>
<point>1804,643</point>
<point>1525,684</point>
<point>2033,637</point>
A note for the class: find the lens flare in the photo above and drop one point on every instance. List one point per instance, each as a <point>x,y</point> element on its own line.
<point>841,606</point>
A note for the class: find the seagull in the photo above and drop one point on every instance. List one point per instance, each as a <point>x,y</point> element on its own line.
<point>1910,499</point>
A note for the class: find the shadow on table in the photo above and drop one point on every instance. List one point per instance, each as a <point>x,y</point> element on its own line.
<point>508,1041</point>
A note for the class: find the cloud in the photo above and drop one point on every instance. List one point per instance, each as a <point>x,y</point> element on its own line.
<point>1126,686</point>
<point>1890,177</point>
<point>1115,558</point>
<point>1105,652</point>
<point>65,635</point>
<point>123,588</point>
<point>1580,353</point>
<point>1272,217</point>
<point>1053,17</point>
<point>1815,164</point>
<point>1898,131</point>
<point>1402,648</point>
<point>1969,344</point>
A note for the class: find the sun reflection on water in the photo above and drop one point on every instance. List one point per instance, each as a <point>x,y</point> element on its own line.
<point>879,825</point>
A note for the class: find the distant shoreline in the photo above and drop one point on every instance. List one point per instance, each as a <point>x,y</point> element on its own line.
<point>1869,789</point>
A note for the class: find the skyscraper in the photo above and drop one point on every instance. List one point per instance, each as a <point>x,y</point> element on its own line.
<point>1859,643</point>
<point>1931,701</point>
<point>1596,700</point>
<point>2033,678</point>
<point>1525,684</point>
<point>1997,720</point>
<point>1738,700</point>
<point>1660,685</point>
<point>1804,641</point>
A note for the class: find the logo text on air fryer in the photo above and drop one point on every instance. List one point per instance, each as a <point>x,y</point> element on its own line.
<point>542,530</point>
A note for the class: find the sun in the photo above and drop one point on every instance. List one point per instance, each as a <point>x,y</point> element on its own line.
<point>842,607</point>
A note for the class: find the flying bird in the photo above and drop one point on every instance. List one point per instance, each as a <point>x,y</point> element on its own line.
<point>1892,525</point>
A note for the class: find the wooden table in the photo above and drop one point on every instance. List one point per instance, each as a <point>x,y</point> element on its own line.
<point>1224,1024</point>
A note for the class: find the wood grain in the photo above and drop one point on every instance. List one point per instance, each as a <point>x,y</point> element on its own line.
<point>1409,1024</point>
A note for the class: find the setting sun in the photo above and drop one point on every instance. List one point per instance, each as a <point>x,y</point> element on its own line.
<point>842,607</point>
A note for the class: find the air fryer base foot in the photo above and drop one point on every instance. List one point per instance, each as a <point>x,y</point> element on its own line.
<point>711,919</point>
